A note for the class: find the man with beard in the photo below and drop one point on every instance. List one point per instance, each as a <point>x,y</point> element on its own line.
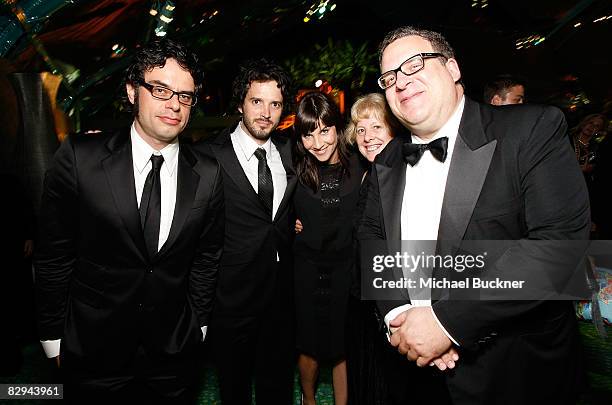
<point>252,325</point>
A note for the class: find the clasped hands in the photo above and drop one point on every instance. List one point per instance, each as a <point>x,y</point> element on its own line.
<point>416,334</point>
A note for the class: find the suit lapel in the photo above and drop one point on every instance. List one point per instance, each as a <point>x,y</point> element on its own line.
<point>186,186</point>
<point>469,167</point>
<point>119,170</point>
<point>284,149</point>
<point>391,172</point>
<point>224,151</point>
<point>391,176</point>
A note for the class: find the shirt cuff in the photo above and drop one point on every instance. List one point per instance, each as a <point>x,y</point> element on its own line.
<point>442,327</point>
<point>204,329</point>
<point>391,315</point>
<point>51,347</point>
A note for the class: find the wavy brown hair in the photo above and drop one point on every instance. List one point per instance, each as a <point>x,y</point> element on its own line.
<point>313,108</point>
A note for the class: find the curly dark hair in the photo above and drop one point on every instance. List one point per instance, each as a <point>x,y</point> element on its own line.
<point>261,70</point>
<point>311,109</point>
<point>155,54</point>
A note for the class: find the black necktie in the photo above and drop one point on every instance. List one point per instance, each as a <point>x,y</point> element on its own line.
<point>264,180</point>
<point>414,151</point>
<point>150,206</point>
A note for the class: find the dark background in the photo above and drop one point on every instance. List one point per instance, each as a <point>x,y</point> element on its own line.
<point>570,69</point>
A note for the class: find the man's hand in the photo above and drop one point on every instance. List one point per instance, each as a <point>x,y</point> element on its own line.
<point>446,361</point>
<point>419,337</point>
<point>587,168</point>
<point>298,226</point>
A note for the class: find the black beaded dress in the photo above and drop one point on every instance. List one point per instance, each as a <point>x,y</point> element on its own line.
<point>324,260</point>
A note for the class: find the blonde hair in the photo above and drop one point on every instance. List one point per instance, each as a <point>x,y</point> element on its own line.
<point>578,128</point>
<point>371,105</point>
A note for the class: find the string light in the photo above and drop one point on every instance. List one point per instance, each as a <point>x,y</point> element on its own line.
<point>208,15</point>
<point>320,7</point>
<point>528,42</point>
<point>602,18</point>
<point>166,16</point>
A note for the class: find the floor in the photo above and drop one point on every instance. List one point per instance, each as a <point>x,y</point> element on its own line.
<point>598,353</point>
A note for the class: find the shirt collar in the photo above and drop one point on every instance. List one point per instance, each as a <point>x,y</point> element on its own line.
<point>142,151</point>
<point>450,129</point>
<point>247,144</point>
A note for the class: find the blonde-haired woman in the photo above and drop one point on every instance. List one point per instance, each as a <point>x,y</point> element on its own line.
<point>371,362</point>
<point>372,125</point>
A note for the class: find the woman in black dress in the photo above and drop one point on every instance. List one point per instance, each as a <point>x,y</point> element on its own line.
<point>325,201</point>
<point>590,142</point>
<point>373,365</point>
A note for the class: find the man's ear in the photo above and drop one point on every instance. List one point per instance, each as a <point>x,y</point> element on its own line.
<point>131,92</point>
<point>240,109</point>
<point>496,100</point>
<point>453,68</point>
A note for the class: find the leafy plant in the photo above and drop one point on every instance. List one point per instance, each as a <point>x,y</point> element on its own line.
<point>340,63</point>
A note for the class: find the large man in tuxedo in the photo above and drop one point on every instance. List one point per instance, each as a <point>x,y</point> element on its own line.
<point>252,323</point>
<point>130,241</point>
<point>474,172</point>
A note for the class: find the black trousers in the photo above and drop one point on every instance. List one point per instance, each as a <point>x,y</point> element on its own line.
<point>145,380</point>
<point>259,349</point>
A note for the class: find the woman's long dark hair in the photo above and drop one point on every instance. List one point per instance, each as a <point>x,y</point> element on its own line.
<point>312,108</point>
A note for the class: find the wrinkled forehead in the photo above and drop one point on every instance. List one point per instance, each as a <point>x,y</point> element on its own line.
<point>265,88</point>
<point>171,75</point>
<point>401,49</point>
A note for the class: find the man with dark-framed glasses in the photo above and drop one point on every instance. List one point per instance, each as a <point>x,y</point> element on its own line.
<point>473,172</point>
<point>158,91</point>
<point>131,233</point>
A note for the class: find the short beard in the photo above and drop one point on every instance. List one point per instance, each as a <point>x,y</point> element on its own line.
<point>257,133</point>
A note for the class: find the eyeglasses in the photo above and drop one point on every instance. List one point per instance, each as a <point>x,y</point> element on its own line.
<point>163,93</point>
<point>408,67</point>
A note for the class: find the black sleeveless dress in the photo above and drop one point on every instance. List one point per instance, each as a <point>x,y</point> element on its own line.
<point>324,260</point>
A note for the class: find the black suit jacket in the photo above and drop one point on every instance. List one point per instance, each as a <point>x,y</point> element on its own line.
<point>512,177</point>
<point>97,288</point>
<point>249,275</point>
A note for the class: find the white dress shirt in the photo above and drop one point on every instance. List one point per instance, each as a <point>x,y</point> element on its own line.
<point>244,147</point>
<point>421,208</point>
<point>141,157</point>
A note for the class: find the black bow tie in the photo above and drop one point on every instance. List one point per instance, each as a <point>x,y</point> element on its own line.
<point>414,151</point>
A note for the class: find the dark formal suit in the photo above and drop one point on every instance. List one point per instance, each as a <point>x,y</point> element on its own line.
<point>120,314</point>
<point>512,176</point>
<point>252,324</point>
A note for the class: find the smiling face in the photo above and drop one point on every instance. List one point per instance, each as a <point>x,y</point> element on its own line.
<point>372,135</point>
<point>322,143</point>
<point>424,101</point>
<point>159,122</point>
<point>261,110</point>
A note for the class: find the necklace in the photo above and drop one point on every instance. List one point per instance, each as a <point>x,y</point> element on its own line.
<point>581,151</point>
